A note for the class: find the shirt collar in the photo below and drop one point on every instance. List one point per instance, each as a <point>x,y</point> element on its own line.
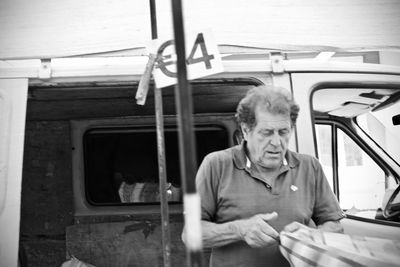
<point>291,159</point>
<point>240,158</point>
<point>242,161</point>
<point>285,162</point>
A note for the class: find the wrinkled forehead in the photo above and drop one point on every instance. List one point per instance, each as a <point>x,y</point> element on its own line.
<point>266,118</point>
<point>269,121</point>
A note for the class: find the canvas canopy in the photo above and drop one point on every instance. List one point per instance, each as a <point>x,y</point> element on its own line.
<point>50,29</point>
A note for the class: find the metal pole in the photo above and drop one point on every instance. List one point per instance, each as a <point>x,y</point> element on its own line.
<point>153,18</point>
<point>187,149</point>
<point>166,236</point>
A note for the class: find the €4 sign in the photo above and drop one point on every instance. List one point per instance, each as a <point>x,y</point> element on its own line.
<point>202,59</point>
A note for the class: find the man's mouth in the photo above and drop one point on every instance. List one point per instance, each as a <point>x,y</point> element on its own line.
<point>273,152</point>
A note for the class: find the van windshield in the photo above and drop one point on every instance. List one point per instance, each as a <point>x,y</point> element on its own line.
<point>379,126</point>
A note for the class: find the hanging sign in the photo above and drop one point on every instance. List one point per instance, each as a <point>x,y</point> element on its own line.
<point>202,58</point>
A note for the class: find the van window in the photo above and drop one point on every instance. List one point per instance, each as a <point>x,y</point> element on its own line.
<point>361,182</point>
<point>121,165</point>
<point>379,126</point>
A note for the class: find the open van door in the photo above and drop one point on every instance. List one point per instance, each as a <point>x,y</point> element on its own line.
<point>358,150</point>
<point>13,97</point>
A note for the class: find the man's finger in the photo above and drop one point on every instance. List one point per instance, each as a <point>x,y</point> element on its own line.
<point>263,240</point>
<point>269,231</point>
<point>269,216</point>
<point>291,227</point>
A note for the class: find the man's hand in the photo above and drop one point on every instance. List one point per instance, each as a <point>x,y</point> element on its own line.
<point>256,231</point>
<point>294,226</point>
<point>329,226</point>
<point>304,232</point>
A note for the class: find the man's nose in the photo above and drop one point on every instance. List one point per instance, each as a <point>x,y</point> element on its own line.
<point>275,139</point>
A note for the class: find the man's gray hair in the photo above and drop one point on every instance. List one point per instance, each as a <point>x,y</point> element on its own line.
<point>276,100</point>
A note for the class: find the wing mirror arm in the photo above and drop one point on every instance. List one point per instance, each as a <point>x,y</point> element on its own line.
<point>392,208</point>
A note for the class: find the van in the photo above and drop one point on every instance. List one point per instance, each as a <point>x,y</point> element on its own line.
<point>72,135</point>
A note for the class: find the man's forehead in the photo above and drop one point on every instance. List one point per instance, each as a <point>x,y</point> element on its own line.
<point>273,125</point>
<point>265,117</point>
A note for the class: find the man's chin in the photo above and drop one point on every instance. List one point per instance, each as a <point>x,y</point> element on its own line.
<point>272,163</point>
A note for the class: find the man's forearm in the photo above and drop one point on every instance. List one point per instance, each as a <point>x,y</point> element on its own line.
<point>331,226</point>
<point>255,231</point>
<point>217,235</point>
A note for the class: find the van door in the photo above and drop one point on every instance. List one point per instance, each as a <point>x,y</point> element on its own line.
<point>358,168</point>
<point>13,96</point>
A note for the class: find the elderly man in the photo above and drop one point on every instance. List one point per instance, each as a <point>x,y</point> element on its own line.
<point>250,192</point>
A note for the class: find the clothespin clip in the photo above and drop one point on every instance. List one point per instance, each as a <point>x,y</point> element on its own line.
<point>144,83</point>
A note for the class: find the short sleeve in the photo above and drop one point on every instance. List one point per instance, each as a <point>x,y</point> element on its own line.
<point>207,187</point>
<point>326,206</point>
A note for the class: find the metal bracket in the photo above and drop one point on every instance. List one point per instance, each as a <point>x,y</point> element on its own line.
<point>45,69</point>
<point>277,62</point>
<point>324,56</point>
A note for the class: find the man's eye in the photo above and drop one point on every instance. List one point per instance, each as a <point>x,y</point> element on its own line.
<point>267,133</point>
<point>283,132</point>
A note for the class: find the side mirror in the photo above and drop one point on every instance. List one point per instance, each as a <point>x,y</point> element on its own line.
<point>396,119</point>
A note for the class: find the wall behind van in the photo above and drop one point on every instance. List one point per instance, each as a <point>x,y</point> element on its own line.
<point>46,192</point>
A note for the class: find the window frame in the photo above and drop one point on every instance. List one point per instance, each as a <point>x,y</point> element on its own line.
<point>136,129</point>
<point>82,207</point>
<point>346,125</point>
<point>334,152</point>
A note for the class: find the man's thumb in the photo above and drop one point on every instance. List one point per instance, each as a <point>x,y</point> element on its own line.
<point>269,216</point>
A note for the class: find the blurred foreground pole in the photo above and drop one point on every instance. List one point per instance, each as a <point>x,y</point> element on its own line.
<point>187,149</point>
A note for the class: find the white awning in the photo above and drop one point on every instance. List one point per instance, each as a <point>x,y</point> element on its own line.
<point>49,29</point>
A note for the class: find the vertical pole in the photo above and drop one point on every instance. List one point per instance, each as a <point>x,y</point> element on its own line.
<point>166,236</point>
<point>153,18</point>
<point>187,149</point>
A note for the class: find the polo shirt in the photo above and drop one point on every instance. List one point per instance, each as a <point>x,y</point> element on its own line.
<point>231,188</point>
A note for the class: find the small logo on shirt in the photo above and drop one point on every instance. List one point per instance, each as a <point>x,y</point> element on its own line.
<point>294,188</point>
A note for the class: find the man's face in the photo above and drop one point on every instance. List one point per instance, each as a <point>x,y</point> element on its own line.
<point>268,141</point>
